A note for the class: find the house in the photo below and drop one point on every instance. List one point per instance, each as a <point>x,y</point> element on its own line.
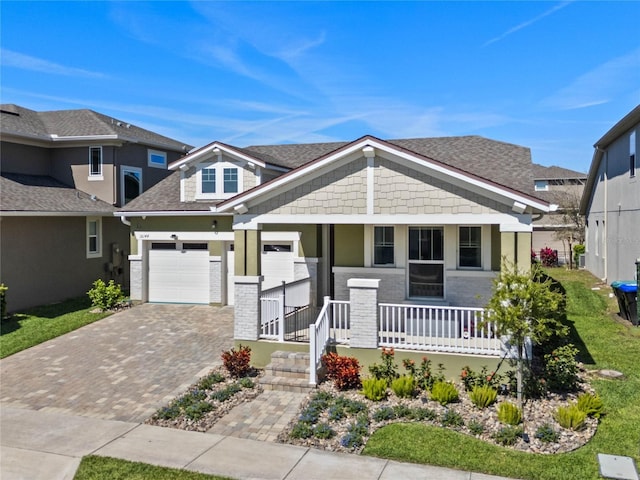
<point>395,242</point>
<point>611,202</point>
<point>562,229</point>
<point>63,174</point>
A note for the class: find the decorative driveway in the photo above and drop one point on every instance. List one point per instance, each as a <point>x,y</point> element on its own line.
<point>123,367</point>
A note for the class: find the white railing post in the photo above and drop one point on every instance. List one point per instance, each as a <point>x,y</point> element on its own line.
<point>281,317</point>
<point>313,364</point>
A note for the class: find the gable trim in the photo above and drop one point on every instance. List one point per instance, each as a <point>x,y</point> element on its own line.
<point>205,151</point>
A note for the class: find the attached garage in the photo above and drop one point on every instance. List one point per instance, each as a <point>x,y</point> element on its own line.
<point>179,272</point>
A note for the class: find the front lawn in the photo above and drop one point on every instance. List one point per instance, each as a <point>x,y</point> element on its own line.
<point>101,468</point>
<point>24,330</point>
<point>604,342</point>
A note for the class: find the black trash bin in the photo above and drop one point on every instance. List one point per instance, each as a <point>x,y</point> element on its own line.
<point>627,295</point>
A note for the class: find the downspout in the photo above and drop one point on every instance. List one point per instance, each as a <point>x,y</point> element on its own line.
<point>124,220</point>
<point>606,215</point>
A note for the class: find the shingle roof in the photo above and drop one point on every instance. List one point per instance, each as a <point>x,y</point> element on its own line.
<point>43,194</point>
<point>165,196</point>
<point>21,121</point>
<point>540,172</point>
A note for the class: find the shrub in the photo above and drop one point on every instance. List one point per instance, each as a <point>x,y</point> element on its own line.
<point>355,433</point>
<point>571,417</point>
<point>476,427</point>
<point>509,413</point>
<point>3,300</point>
<point>422,375</point>
<point>374,389</point>
<point>246,382</point>
<point>548,257</point>
<point>451,418</point>
<point>237,362</point>
<point>508,435</point>
<point>403,386</point>
<point>401,411</point>
<point>444,393</point>
<point>323,431</point>
<point>545,433</point>
<point>169,413</point>
<point>388,370</point>
<point>561,369</point>
<point>301,430</point>
<point>210,380</point>
<point>483,396</point>
<point>472,379</point>
<point>105,296</point>
<point>577,251</point>
<point>197,410</point>
<point>384,413</point>
<point>590,404</point>
<point>343,371</point>
<point>420,414</point>
<point>352,407</point>
<point>310,415</point>
<point>226,393</point>
<point>336,413</point>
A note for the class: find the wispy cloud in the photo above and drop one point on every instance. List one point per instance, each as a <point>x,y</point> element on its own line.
<point>9,58</point>
<point>600,85</point>
<point>526,24</point>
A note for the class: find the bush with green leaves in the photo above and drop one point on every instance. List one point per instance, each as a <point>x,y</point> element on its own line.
<point>483,396</point>
<point>323,431</point>
<point>444,393</point>
<point>509,413</point>
<point>301,430</point>
<point>475,427</point>
<point>423,376</point>
<point>590,404</point>
<point>570,417</point>
<point>207,383</point>
<point>451,418</point>
<point>578,250</point>
<point>105,296</point>
<point>403,386</point>
<point>471,378</point>
<point>420,414</point>
<point>547,434</point>
<point>387,370</point>
<point>356,432</point>
<point>508,435</point>
<point>374,389</point>
<point>384,413</point>
<point>561,369</point>
<point>3,300</point>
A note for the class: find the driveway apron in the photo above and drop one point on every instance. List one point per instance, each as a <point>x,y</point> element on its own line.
<point>123,367</point>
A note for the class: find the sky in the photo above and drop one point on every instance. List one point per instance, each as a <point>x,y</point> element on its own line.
<point>550,76</point>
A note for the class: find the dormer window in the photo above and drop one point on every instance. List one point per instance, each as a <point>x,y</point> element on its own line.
<point>218,180</point>
<point>230,180</point>
<point>208,180</point>
<point>542,185</point>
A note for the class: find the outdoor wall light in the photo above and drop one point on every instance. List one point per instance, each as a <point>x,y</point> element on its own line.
<point>174,236</point>
<point>214,224</point>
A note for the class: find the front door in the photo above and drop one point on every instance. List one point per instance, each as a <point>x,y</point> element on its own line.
<point>426,262</point>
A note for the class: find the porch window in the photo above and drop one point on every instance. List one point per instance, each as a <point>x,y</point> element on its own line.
<point>383,246</point>
<point>426,262</point>
<point>470,247</point>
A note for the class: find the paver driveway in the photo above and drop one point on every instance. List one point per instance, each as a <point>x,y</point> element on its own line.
<point>122,367</point>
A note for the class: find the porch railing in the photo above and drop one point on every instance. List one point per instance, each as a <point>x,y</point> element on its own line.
<point>283,308</point>
<point>332,326</point>
<point>436,329</point>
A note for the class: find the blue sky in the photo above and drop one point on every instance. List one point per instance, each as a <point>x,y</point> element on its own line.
<point>551,76</point>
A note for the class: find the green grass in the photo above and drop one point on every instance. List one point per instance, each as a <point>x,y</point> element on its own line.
<point>604,342</point>
<point>24,330</point>
<point>102,468</point>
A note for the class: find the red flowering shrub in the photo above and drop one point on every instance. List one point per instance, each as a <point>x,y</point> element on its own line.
<point>237,362</point>
<point>548,257</point>
<point>344,371</point>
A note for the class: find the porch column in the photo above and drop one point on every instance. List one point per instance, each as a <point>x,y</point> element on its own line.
<point>515,247</point>
<point>363,316</point>
<point>247,284</point>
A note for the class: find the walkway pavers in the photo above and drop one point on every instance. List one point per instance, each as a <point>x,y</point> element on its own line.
<point>264,418</point>
<point>123,367</point>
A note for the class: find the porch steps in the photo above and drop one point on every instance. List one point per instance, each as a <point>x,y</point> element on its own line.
<point>288,372</point>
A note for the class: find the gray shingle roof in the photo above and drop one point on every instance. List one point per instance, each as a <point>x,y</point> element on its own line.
<point>540,172</point>
<point>21,121</point>
<point>38,193</point>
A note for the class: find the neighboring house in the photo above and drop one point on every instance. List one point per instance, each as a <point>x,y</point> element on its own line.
<point>63,173</point>
<point>611,202</point>
<point>419,225</point>
<point>563,228</point>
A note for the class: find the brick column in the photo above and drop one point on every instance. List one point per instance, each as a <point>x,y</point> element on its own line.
<point>363,316</point>
<point>246,324</point>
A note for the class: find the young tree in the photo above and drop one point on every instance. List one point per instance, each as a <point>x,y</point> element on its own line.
<point>571,229</point>
<point>523,305</point>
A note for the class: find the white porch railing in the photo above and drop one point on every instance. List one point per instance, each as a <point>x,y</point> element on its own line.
<point>274,303</point>
<point>436,329</point>
<point>332,326</point>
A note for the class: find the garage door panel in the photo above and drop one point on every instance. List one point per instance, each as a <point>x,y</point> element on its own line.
<point>179,276</point>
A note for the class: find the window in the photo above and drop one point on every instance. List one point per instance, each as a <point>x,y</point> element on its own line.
<point>131,183</point>
<point>632,154</point>
<point>470,247</point>
<point>541,185</point>
<point>426,262</point>
<point>209,180</point>
<point>94,237</point>
<point>276,248</point>
<point>230,180</point>
<point>383,246</point>
<point>156,159</point>
<point>95,161</point>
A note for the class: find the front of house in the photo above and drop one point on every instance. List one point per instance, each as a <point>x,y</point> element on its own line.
<point>371,224</point>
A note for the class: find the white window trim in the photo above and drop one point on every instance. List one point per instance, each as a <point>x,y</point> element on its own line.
<point>373,247</point>
<point>219,168</point>
<point>98,252</point>
<point>94,177</point>
<point>482,248</point>
<point>544,188</point>
<point>442,262</point>
<point>150,153</point>
<point>123,170</point>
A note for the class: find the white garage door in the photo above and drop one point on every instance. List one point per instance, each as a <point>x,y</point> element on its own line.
<point>179,273</point>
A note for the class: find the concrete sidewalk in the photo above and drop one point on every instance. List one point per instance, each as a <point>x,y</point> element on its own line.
<point>38,445</point>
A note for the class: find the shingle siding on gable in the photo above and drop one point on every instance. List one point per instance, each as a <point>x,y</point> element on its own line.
<point>190,178</point>
<point>342,191</point>
<point>401,190</point>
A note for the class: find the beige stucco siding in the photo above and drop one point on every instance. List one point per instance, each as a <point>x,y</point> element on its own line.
<point>402,190</point>
<point>342,191</point>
